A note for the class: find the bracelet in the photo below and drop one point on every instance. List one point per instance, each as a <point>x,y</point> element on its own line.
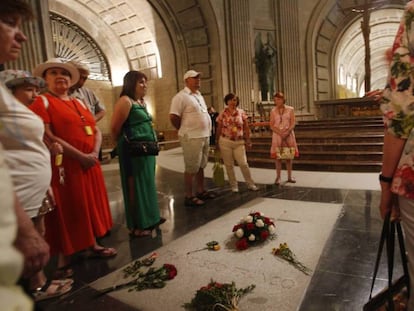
<point>385,178</point>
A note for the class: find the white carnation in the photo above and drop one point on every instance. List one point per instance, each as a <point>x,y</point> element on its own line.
<point>248,219</point>
<point>239,233</point>
<point>272,229</point>
<point>252,237</point>
<point>259,223</point>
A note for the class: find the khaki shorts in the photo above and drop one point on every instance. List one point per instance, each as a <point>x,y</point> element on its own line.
<point>195,152</point>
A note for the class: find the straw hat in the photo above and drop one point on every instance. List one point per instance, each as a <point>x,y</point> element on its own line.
<point>57,63</point>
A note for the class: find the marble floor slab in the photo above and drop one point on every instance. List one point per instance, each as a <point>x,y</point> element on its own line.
<point>305,226</point>
<point>342,276</point>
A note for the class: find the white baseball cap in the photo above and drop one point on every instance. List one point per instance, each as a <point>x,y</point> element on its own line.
<point>191,74</point>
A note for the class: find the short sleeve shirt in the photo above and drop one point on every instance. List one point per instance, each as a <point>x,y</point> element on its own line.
<point>192,109</point>
<point>232,123</point>
<point>90,99</point>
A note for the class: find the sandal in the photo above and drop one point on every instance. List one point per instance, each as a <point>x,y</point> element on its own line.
<point>206,195</point>
<point>63,273</point>
<point>104,252</point>
<point>277,181</point>
<point>159,223</point>
<point>291,180</point>
<point>52,289</point>
<point>137,233</point>
<point>193,201</point>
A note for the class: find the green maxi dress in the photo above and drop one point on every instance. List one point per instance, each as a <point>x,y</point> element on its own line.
<point>138,173</point>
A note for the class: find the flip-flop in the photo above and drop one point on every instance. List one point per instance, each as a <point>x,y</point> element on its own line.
<point>45,292</point>
<point>206,195</point>
<point>159,223</point>
<point>193,201</point>
<point>137,233</point>
<point>64,272</point>
<point>104,252</point>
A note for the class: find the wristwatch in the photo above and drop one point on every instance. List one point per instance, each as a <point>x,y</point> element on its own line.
<point>385,178</point>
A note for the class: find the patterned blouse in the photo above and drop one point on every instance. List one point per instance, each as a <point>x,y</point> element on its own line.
<point>232,123</point>
<point>398,102</point>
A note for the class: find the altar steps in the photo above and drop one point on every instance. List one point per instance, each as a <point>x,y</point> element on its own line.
<point>345,145</point>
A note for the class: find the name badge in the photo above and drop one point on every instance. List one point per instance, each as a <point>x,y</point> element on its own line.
<point>88,130</point>
<point>58,159</point>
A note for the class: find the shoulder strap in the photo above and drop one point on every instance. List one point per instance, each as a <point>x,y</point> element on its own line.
<point>45,101</point>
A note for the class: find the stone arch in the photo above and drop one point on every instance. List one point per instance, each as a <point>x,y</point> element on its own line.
<point>327,24</point>
<point>98,29</point>
<point>163,38</point>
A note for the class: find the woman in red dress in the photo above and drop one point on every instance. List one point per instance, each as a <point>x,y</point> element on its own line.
<point>82,212</point>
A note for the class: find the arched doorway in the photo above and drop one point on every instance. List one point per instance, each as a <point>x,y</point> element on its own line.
<point>350,54</point>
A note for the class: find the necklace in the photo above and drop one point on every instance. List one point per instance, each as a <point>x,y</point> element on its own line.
<point>281,112</point>
<point>72,107</point>
<point>141,102</point>
<point>281,117</point>
<point>203,109</point>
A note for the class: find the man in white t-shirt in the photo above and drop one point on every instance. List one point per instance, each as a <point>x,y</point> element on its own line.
<point>189,115</point>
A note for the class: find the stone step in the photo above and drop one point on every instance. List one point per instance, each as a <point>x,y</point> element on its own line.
<point>343,145</point>
<point>343,127</point>
<point>305,146</point>
<point>319,165</point>
<point>359,121</point>
<point>330,137</point>
<point>322,155</point>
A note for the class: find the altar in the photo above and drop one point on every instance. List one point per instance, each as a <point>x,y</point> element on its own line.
<point>347,108</point>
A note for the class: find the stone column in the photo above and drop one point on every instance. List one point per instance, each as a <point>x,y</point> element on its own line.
<point>241,69</point>
<point>288,13</point>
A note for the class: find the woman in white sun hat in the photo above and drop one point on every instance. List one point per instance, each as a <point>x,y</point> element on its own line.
<point>82,212</point>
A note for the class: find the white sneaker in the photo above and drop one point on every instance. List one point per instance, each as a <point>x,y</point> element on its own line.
<point>234,189</point>
<point>253,187</point>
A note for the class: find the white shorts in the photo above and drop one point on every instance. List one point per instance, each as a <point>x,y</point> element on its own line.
<point>195,152</point>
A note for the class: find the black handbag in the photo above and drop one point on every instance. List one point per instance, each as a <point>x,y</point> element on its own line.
<point>384,300</point>
<point>139,148</point>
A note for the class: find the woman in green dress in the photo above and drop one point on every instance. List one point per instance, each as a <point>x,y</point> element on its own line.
<point>132,119</point>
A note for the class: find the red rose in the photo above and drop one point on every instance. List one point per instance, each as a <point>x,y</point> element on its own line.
<point>267,221</point>
<point>242,244</point>
<point>171,271</point>
<point>250,226</point>
<point>264,234</point>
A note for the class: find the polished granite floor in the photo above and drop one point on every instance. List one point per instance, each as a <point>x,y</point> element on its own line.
<point>341,280</point>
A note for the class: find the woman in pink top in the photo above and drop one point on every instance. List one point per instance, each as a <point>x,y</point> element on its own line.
<point>284,147</point>
<point>232,135</point>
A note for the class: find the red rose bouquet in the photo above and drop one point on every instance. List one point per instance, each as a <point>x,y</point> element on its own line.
<point>252,229</point>
<point>152,278</point>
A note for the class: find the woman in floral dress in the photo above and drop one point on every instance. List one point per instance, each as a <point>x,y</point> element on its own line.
<point>284,147</point>
<point>397,175</point>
